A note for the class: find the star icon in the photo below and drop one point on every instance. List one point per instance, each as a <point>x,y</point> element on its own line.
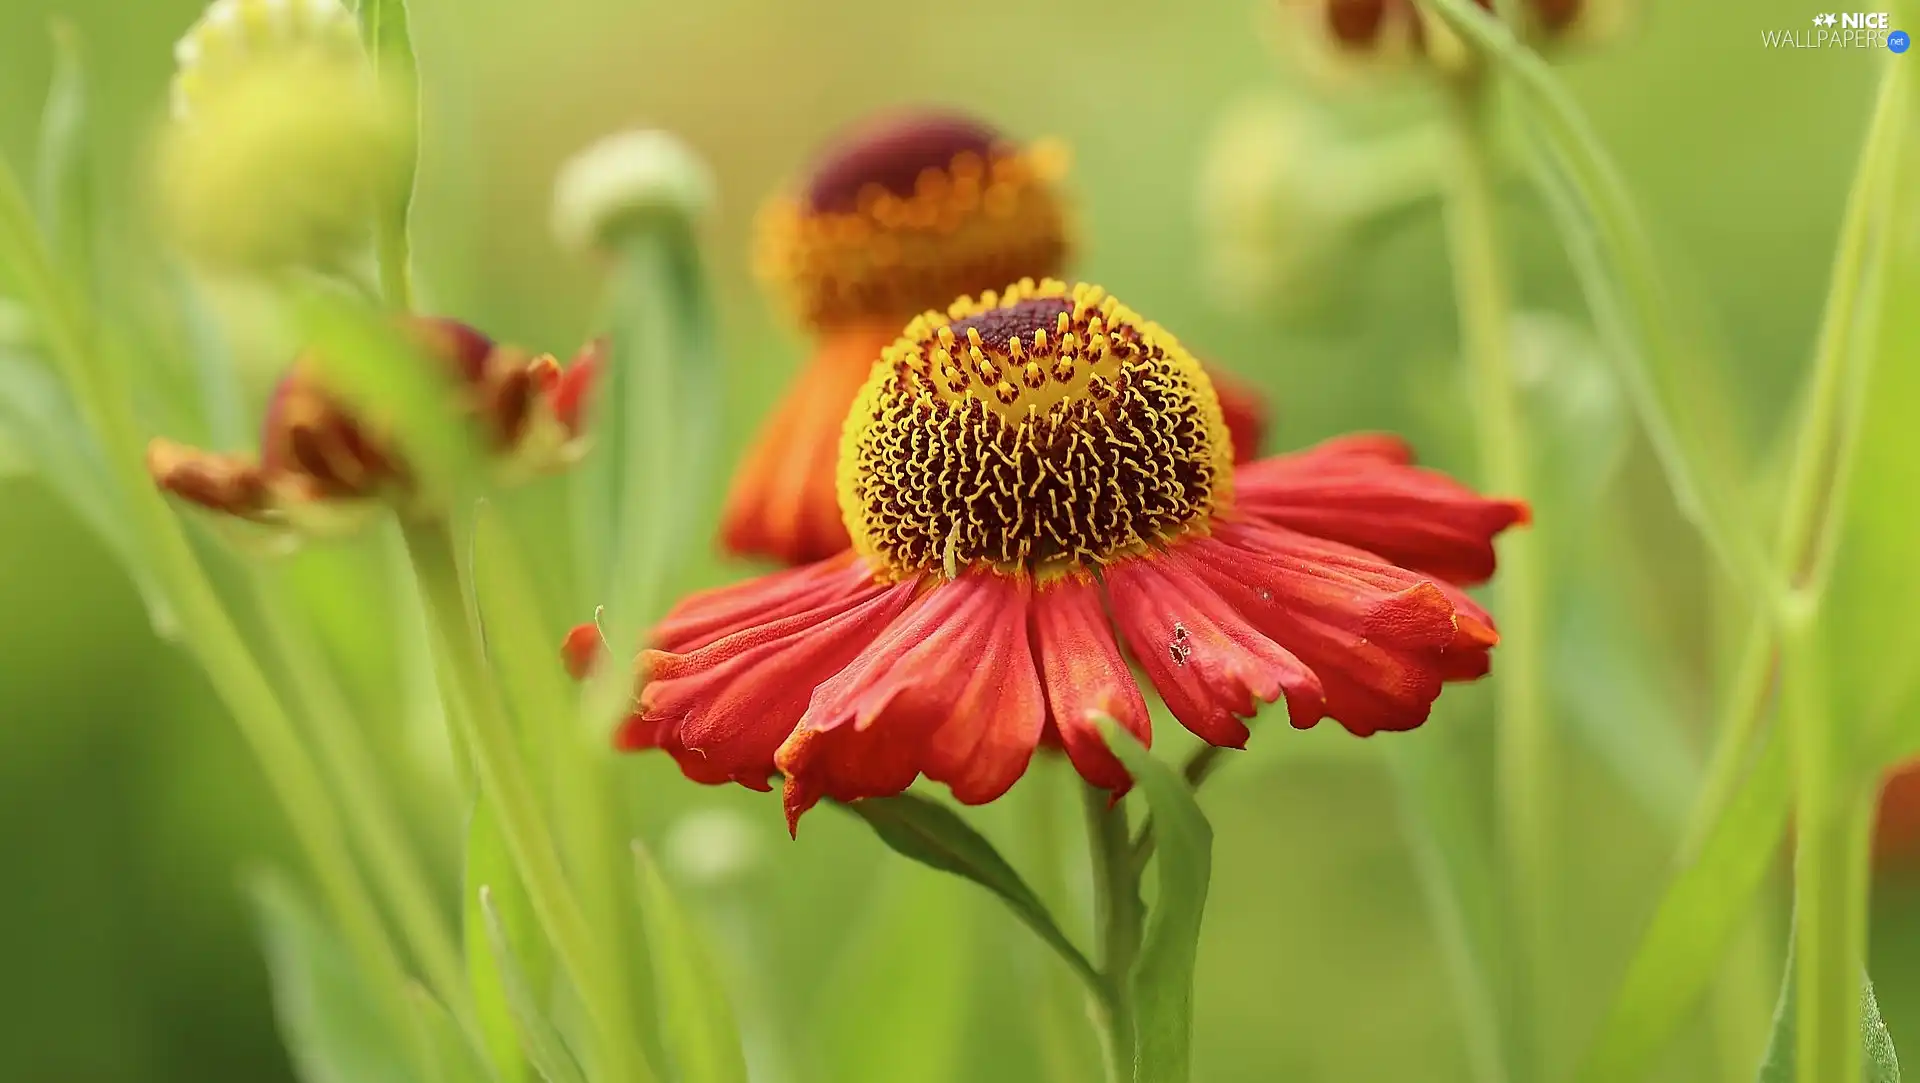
<point>1819,20</point>
<point>1829,18</point>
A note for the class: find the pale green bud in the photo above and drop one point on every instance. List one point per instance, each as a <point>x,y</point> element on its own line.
<point>625,181</point>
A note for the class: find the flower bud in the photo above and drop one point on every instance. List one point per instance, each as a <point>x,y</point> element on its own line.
<point>1283,193</point>
<point>625,181</point>
<point>282,141</point>
<point>1330,35</point>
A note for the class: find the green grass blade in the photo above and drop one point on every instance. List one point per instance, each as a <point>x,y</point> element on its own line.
<point>453,1059</point>
<point>1162,978</point>
<point>489,867</point>
<point>1694,923</point>
<point>696,1020</point>
<point>328,1018</point>
<point>65,167</point>
<point>541,1039</point>
<point>1879,1062</point>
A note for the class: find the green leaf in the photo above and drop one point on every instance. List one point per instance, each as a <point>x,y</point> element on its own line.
<point>1162,976</point>
<point>453,1060</point>
<point>894,1007</point>
<point>328,1017</point>
<point>934,835</point>
<point>697,1022</point>
<point>38,422</point>
<point>545,1047</point>
<point>363,357</point>
<point>1694,923</point>
<point>1873,642</point>
<point>1879,1064</point>
<point>383,27</point>
<point>489,868</point>
<point>65,175</point>
<point>521,648</point>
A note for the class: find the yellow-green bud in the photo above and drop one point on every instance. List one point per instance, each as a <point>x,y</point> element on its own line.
<point>622,182</point>
<point>282,142</point>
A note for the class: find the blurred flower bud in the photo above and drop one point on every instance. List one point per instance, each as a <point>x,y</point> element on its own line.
<point>624,181</point>
<point>322,468</point>
<point>1283,193</point>
<point>712,847</point>
<point>1326,36</point>
<point>282,142</point>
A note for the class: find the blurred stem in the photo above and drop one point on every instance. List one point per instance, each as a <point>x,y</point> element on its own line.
<point>503,776</point>
<point>1603,230</point>
<point>370,814</point>
<point>1523,739</point>
<point>1811,496</point>
<point>1061,1021</point>
<point>1831,873</point>
<point>394,254</point>
<point>103,399</point>
<point>1118,914</point>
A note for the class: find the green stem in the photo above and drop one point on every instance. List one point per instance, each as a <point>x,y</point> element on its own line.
<point>396,868</point>
<point>1700,480</point>
<point>1831,873</point>
<point>1523,739</point>
<point>1811,483</point>
<point>1118,913</point>
<point>393,252</point>
<point>490,738</point>
<point>264,722</point>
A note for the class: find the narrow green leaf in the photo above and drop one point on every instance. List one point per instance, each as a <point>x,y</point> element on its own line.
<point>1873,643</point>
<point>893,1007</point>
<point>489,867</point>
<point>544,1046</point>
<point>65,175</point>
<point>384,29</point>
<point>1879,1063</point>
<point>1162,977</point>
<point>453,1060</point>
<point>329,1018</point>
<point>522,648</point>
<point>697,1022</point>
<point>1695,921</point>
<point>934,835</point>
<point>363,357</point>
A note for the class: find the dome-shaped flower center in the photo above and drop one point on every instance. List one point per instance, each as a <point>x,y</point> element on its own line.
<point>1034,431</point>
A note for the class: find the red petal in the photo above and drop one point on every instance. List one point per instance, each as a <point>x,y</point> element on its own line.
<point>581,649</point>
<point>573,390</point>
<point>784,502</point>
<point>1245,412</point>
<point>708,615</point>
<point>949,691</point>
<point>721,710</point>
<point>1085,678</point>
<point>1207,662</point>
<point>1361,491</point>
<point>1896,833</point>
<point>1377,636</point>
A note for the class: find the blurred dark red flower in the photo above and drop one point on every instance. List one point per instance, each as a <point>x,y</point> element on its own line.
<point>900,214</point>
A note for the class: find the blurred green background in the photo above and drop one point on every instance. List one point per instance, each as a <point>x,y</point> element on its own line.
<point>129,810</point>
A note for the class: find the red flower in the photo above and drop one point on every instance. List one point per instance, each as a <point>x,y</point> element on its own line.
<point>320,466</point>
<point>901,214</point>
<point>1896,834</point>
<point>1033,483</point>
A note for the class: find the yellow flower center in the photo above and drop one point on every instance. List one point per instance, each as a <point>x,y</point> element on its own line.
<point>1036,431</point>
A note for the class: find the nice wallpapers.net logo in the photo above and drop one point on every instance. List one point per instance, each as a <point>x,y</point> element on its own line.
<point>1841,30</point>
